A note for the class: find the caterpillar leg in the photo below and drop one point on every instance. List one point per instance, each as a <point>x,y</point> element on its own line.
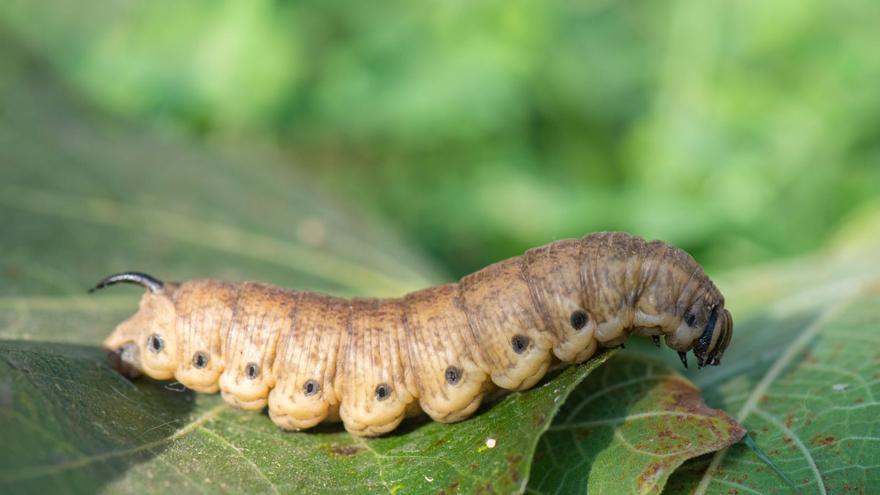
<point>553,274</point>
<point>450,384</point>
<point>506,327</point>
<point>204,313</point>
<point>262,313</point>
<point>305,363</point>
<point>375,397</point>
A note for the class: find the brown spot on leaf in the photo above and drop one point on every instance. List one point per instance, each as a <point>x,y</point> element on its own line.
<point>487,488</point>
<point>582,433</point>
<point>344,450</point>
<point>540,419</point>
<point>686,398</point>
<point>824,440</point>
<point>513,461</point>
<point>648,479</point>
<point>452,488</point>
<point>514,475</point>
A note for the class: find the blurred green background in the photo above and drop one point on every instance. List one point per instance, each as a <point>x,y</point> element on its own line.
<point>742,131</point>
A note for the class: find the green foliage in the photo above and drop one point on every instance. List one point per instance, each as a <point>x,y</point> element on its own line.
<point>739,132</point>
<point>801,375</point>
<point>83,194</point>
<point>73,425</point>
<point>626,429</point>
<point>807,395</point>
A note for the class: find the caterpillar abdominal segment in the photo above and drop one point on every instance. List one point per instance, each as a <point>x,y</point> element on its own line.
<point>372,362</point>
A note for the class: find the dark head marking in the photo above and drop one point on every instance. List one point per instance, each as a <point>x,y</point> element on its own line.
<point>155,343</point>
<point>520,343</point>
<point>153,284</point>
<point>252,371</point>
<point>383,391</point>
<point>704,354</point>
<point>453,375</point>
<point>311,387</point>
<point>690,319</point>
<point>200,359</point>
<point>579,319</point>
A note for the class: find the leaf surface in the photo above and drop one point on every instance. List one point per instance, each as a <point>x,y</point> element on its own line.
<point>73,425</point>
<point>806,389</point>
<point>634,416</point>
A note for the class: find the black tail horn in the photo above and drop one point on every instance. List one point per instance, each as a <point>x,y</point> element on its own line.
<point>142,279</point>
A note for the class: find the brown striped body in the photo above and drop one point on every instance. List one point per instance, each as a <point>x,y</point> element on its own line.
<point>372,362</point>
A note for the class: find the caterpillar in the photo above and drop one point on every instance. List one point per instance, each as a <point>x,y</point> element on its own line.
<point>372,362</point>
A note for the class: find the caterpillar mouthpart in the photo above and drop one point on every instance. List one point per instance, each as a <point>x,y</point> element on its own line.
<point>124,359</point>
<point>147,341</point>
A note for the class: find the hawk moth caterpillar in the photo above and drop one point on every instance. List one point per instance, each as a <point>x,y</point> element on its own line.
<point>372,362</point>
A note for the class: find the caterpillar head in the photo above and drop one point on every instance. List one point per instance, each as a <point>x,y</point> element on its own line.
<point>146,342</point>
<point>706,329</point>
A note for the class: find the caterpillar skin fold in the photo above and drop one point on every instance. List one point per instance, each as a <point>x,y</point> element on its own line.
<point>372,362</point>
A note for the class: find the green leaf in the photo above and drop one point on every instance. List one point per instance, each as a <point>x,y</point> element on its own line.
<point>71,424</point>
<point>69,421</point>
<point>806,387</point>
<point>626,429</point>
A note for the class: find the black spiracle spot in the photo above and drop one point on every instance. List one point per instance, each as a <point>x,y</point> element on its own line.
<point>311,387</point>
<point>252,371</point>
<point>155,343</point>
<point>520,343</point>
<point>579,319</point>
<point>453,375</point>
<point>200,359</point>
<point>383,391</point>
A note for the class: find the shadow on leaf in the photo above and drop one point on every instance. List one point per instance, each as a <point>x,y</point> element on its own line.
<point>70,423</point>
